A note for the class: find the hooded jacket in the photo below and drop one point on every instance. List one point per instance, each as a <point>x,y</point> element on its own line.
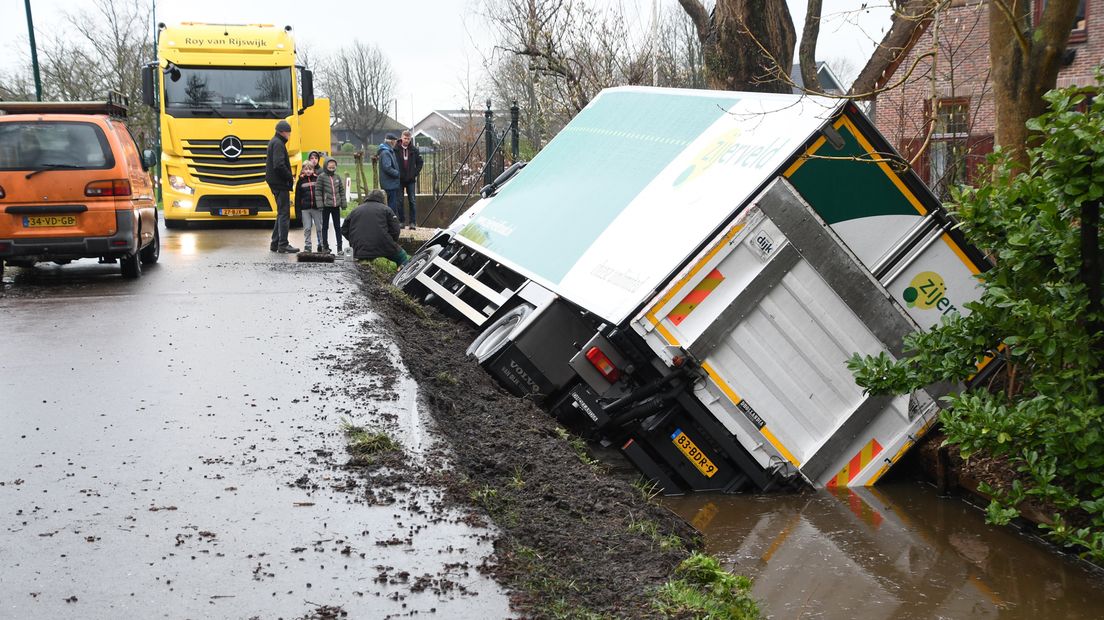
<point>331,188</point>
<point>306,191</point>
<point>388,167</point>
<point>411,165</point>
<point>373,231</point>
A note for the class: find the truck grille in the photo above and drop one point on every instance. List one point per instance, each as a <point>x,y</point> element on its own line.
<point>207,163</point>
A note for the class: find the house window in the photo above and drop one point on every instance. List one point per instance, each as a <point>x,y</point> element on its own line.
<point>1080,31</point>
<point>949,148</point>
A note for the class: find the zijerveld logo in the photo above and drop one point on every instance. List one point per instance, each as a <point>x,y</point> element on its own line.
<point>231,147</point>
<point>727,150</point>
<point>926,291</point>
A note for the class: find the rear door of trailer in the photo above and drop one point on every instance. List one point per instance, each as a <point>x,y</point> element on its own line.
<point>772,310</point>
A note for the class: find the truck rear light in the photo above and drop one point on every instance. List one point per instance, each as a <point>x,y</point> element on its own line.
<point>603,364</point>
<point>110,187</point>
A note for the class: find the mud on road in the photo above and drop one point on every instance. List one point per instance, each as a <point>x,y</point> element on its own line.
<point>572,539</point>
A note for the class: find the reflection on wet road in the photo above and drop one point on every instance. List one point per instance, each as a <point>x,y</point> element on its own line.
<point>156,433</point>
<point>896,551</point>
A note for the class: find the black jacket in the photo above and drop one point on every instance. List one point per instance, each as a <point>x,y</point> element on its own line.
<point>372,230</point>
<point>411,166</point>
<point>306,192</point>
<point>278,165</point>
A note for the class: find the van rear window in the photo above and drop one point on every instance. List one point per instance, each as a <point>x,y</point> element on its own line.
<point>30,145</point>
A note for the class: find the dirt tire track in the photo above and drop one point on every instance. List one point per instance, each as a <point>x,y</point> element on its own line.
<point>571,537</point>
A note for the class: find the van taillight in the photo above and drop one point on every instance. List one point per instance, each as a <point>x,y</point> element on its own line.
<point>603,364</point>
<point>111,187</point>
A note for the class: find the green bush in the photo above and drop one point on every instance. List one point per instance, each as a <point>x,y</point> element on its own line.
<point>347,147</point>
<point>1045,417</point>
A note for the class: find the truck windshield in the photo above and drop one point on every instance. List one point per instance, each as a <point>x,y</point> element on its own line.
<point>34,145</point>
<point>238,92</point>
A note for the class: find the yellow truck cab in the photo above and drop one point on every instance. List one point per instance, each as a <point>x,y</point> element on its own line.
<point>73,185</point>
<point>219,90</point>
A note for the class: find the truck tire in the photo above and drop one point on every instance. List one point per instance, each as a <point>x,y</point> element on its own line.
<point>497,334</point>
<point>404,279</point>
<point>152,252</point>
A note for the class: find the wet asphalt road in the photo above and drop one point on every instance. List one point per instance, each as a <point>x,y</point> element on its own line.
<point>151,433</point>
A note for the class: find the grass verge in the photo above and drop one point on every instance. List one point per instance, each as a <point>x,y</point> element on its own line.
<point>702,589</point>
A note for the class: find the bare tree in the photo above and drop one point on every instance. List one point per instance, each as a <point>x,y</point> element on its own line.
<point>116,36</point>
<point>575,49</point>
<point>360,83</point>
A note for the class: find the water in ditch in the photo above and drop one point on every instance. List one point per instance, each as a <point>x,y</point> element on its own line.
<point>895,551</point>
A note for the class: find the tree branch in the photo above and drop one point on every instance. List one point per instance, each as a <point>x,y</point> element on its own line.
<point>699,16</point>
<point>806,55</point>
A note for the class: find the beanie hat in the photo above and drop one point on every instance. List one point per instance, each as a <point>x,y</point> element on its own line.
<point>283,126</point>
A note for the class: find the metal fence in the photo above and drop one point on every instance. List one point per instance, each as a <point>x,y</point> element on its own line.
<point>454,167</point>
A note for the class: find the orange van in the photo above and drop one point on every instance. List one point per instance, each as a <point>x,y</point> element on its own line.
<point>74,185</point>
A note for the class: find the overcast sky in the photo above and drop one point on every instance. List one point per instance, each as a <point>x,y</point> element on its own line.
<point>432,44</point>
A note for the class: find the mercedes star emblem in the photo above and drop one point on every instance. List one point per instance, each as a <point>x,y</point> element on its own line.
<point>231,147</point>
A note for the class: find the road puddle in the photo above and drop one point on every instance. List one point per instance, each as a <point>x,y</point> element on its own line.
<point>896,551</point>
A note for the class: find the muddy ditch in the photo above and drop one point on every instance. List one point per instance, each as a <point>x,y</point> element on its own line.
<point>572,539</point>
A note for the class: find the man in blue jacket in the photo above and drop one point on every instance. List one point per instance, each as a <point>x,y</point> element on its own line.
<point>389,172</point>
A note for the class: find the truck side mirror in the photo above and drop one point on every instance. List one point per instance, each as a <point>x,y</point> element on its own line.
<point>149,159</point>
<point>307,77</point>
<point>149,85</point>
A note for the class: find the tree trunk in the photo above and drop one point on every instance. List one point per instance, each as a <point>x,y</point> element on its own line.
<point>746,45</point>
<point>807,53</point>
<point>1025,64</point>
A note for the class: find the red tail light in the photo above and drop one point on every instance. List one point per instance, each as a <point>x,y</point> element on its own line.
<point>603,364</point>
<point>111,187</point>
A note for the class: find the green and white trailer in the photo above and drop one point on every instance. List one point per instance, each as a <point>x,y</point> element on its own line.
<point>685,273</point>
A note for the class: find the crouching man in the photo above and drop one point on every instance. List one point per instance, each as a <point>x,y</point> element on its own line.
<point>373,230</point>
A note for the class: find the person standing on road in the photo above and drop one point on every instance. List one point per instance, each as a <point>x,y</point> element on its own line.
<point>331,191</point>
<point>390,177</point>
<point>373,230</point>
<point>280,180</point>
<point>306,202</point>
<point>410,165</point>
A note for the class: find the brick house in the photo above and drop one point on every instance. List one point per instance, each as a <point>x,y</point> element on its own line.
<point>959,100</point>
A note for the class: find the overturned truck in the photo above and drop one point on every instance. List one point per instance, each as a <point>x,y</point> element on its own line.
<point>685,274</point>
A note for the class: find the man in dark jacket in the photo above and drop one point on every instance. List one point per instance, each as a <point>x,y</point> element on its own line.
<point>410,164</point>
<point>389,173</point>
<point>373,230</point>
<point>280,181</point>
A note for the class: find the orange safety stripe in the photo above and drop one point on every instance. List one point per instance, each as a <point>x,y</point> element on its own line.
<point>856,464</point>
<point>695,297</point>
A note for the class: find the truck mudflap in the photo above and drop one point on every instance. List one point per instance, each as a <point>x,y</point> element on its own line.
<point>771,310</point>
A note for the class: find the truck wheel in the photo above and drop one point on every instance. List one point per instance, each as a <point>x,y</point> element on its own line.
<point>497,334</point>
<point>132,266</point>
<point>405,280</point>
<point>175,224</point>
<point>152,252</point>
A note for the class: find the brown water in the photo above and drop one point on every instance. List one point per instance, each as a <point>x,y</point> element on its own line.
<point>897,551</point>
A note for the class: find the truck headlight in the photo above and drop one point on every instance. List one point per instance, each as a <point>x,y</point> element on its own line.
<point>178,184</point>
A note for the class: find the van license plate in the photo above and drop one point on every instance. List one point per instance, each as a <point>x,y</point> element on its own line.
<point>234,212</point>
<point>43,221</point>
<point>692,452</point>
